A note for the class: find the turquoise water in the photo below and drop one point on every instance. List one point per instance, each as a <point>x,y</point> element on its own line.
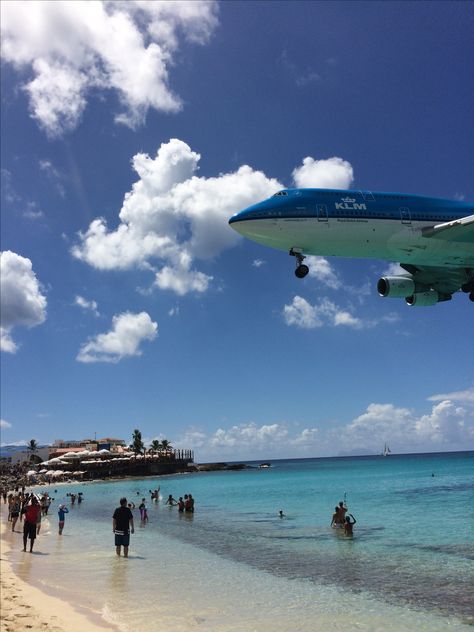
<point>235,565</point>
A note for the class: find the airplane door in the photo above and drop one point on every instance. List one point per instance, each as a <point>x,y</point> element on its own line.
<point>405,215</point>
<point>322,212</point>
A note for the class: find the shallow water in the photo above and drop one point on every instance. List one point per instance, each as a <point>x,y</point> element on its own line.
<point>235,565</point>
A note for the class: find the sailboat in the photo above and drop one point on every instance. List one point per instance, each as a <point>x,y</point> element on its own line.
<point>386,450</point>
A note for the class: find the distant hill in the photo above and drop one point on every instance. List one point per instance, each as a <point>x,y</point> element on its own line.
<point>8,450</point>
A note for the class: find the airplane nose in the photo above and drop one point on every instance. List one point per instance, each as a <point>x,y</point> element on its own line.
<point>238,219</point>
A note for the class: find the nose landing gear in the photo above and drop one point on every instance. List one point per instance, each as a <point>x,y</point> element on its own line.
<point>301,269</point>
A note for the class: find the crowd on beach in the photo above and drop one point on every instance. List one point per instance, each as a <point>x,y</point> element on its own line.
<point>29,508</point>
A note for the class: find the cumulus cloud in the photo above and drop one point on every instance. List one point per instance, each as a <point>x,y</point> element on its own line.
<point>73,48</point>
<point>332,173</point>
<point>445,426</point>
<point>249,434</point>
<point>301,313</point>
<point>123,340</point>
<point>22,303</point>
<point>258,263</point>
<point>83,303</point>
<point>172,217</point>
<point>321,269</point>
<point>5,424</point>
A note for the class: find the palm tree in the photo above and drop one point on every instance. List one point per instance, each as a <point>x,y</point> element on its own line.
<point>166,445</point>
<point>155,446</point>
<point>32,448</point>
<point>137,443</point>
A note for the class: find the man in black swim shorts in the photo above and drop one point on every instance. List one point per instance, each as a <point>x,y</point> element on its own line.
<point>122,524</point>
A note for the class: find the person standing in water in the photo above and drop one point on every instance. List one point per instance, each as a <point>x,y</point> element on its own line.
<point>143,511</point>
<point>62,511</point>
<point>122,525</point>
<point>348,525</point>
<point>32,511</point>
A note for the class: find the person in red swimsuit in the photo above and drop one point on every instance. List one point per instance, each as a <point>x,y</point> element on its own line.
<point>31,512</point>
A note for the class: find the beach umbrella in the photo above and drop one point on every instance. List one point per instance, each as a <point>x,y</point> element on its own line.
<point>57,473</point>
<point>43,471</point>
<point>31,473</point>
<point>70,455</point>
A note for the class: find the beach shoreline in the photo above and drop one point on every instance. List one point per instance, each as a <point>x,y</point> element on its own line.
<point>27,608</point>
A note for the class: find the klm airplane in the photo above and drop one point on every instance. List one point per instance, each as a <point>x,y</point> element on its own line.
<point>432,239</point>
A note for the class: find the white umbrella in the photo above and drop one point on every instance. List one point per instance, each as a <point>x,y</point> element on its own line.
<point>31,473</point>
<point>57,473</point>
<point>43,471</point>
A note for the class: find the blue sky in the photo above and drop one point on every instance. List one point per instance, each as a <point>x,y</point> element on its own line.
<point>130,134</point>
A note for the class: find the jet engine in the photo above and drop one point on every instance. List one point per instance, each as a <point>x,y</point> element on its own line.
<point>423,299</point>
<point>396,286</point>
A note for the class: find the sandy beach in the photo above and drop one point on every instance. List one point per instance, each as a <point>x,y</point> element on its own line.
<point>27,608</point>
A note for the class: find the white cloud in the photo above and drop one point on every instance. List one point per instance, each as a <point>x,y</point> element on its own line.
<point>307,438</point>
<point>7,344</point>
<point>258,263</point>
<point>250,440</point>
<point>465,397</point>
<point>5,424</point>
<point>82,302</point>
<point>123,340</point>
<point>22,303</point>
<point>246,434</point>
<point>446,426</point>
<point>321,269</point>
<point>173,217</point>
<point>73,48</point>
<point>301,313</point>
<point>332,173</point>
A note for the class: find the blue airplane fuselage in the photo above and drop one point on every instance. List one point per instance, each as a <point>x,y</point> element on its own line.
<point>351,223</point>
<point>431,238</point>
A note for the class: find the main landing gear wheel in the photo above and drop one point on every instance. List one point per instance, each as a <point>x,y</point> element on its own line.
<point>301,269</point>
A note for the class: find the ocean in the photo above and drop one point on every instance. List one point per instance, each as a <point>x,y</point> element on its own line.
<point>235,565</point>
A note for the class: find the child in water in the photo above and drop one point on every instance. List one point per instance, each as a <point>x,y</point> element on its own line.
<point>143,511</point>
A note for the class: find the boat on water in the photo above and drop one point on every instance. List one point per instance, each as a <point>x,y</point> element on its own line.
<point>386,450</point>
<point>264,465</point>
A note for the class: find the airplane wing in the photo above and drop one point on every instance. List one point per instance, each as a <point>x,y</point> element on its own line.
<point>444,280</point>
<point>458,230</point>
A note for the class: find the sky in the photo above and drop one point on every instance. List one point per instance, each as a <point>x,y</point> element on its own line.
<point>131,132</point>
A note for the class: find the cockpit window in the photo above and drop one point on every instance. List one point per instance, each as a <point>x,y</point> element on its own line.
<point>280,193</point>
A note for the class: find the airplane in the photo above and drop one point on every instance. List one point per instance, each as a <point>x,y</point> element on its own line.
<point>431,238</point>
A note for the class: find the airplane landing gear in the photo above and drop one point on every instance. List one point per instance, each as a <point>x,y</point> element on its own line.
<point>301,269</point>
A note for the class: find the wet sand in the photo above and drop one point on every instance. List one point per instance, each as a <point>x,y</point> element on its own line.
<point>27,608</point>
